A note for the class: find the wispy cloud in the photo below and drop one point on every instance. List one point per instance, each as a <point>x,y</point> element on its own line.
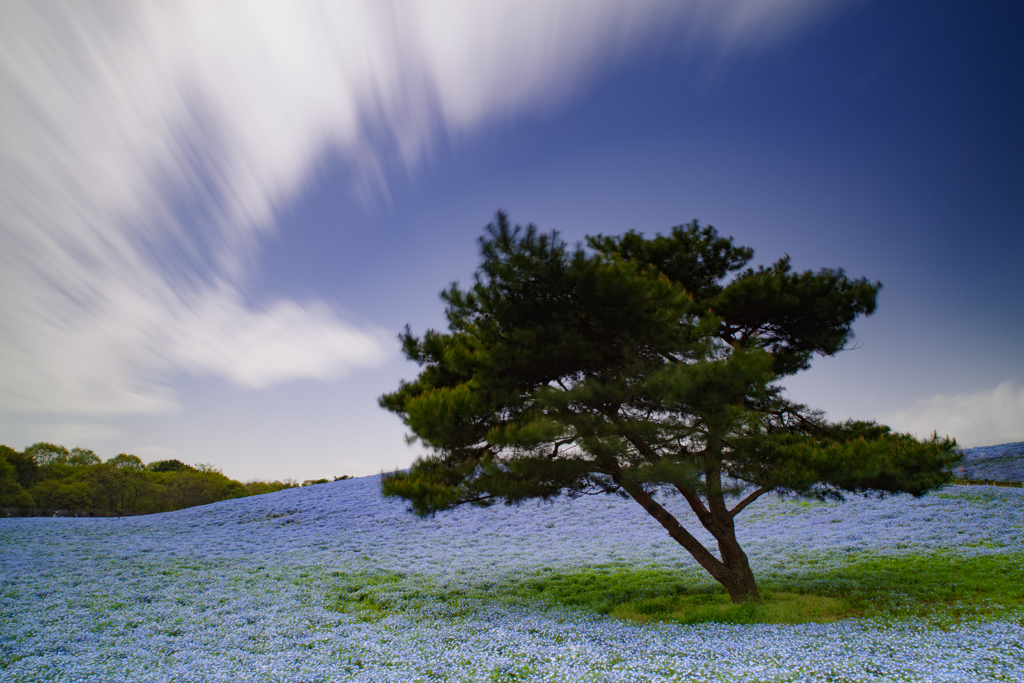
<point>983,418</point>
<point>146,147</point>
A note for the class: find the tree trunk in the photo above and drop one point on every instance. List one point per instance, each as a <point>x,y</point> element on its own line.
<point>732,571</point>
<point>739,578</point>
<point>742,587</point>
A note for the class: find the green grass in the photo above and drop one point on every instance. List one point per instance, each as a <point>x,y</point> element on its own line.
<point>776,608</point>
<point>658,594</point>
<point>941,589</point>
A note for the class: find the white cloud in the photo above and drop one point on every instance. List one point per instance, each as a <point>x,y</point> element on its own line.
<point>983,418</point>
<point>19,433</point>
<point>220,336</point>
<point>117,115</point>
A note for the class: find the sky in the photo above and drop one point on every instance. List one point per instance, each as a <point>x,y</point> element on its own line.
<point>215,218</point>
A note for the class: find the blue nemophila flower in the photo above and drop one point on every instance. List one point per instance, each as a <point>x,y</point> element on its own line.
<point>248,590</point>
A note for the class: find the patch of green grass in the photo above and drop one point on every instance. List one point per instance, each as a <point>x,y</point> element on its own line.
<point>366,594</point>
<point>507,674</point>
<point>940,589</point>
<point>601,589</point>
<point>372,596</point>
<point>660,594</point>
<point>7,660</point>
<point>776,608</point>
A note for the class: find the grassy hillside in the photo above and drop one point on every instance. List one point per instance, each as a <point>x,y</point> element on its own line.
<point>334,583</point>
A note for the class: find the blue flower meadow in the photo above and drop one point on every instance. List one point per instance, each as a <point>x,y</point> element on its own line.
<point>1004,462</point>
<point>249,590</point>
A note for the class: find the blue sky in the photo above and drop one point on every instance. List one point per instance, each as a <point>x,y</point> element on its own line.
<point>215,220</point>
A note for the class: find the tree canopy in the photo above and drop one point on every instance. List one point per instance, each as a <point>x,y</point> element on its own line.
<point>643,366</point>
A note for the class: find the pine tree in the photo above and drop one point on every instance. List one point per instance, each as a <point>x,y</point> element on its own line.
<point>637,367</point>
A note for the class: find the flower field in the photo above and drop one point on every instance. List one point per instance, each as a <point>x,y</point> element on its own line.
<point>334,583</point>
<point>1004,462</point>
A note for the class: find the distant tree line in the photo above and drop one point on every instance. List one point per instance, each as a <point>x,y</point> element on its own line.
<point>46,476</point>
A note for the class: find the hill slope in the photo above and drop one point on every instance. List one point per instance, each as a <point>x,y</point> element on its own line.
<point>1004,462</point>
<point>334,583</point>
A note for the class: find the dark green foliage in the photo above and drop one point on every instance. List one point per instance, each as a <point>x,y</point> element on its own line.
<point>168,466</point>
<point>200,485</point>
<point>66,493</point>
<point>120,482</point>
<point>44,453</point>
<point>790,315</point>
<point>258,487</point>
<point>12,495</point>
<point>26,469</point>
<point>643,364</point>
<point>310,482</point>
<point>853,457</point>
<point>50,477</point>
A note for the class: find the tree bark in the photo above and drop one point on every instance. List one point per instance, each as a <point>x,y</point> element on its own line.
<point>732,571</point>
<point>739,580</point>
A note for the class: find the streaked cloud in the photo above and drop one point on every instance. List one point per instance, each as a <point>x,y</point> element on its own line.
<point>982,418</point>
<point>19,431</point>
<point>147,147</point>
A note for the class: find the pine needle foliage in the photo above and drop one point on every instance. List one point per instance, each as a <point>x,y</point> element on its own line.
<point>638,366</point>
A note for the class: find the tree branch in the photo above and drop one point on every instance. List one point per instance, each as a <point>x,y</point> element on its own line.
<point>748,500</point>
<point>559,444</point>
<point>696,504</point>
<point>676,530</point>
<point>476,499</point>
